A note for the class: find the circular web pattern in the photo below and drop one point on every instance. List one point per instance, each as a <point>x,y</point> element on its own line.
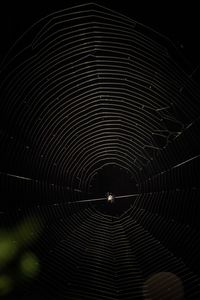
<point>93,102</point>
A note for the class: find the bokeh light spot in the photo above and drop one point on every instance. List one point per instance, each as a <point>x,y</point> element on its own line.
<point>29,265</point>
<point>165,286</point>
<point>6,285</point>
<point>8,249</point>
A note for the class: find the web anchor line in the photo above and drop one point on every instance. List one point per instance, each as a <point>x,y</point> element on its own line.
<point>110,198</point>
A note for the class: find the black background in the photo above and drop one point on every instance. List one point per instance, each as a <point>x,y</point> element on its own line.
<point>180,23</point>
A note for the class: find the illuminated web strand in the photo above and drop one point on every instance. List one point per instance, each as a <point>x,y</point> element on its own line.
<point>186,161</point>
<point>101,199</point>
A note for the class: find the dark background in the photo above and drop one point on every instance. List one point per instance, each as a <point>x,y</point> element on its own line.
<point>178,21</point>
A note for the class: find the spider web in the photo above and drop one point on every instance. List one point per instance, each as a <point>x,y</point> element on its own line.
<point>83,90</point>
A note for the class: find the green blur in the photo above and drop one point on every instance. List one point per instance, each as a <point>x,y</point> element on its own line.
<point>29,265</point>
<point>8,249</point>
<point>16,261</point>
<point>6,285</point>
